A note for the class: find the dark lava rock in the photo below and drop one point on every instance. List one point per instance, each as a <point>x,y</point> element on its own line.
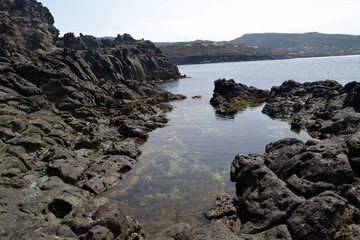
<point>280,232</point>
<point>263,199</point>
<point>320,217</point>
<point>320,107</point>
<point>20,28</point>
<point>180,231</point>
<point>60,207</point>
<point>304,190</point>
<point>84,221</point>
<point>124,148</point>
<point>214,231</point>
<point>99,233</point>
<point>230,96</point>
<point>72,110</point>
<point>273,190</point>
<point>225,209</point>
<point>326,161</point>
<point>353,95</point>
<point>224,206</point>
<point>196,97</point>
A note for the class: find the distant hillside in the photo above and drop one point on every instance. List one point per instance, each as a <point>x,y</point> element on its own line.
<point>159,44</point>
<point>212,52</point>
<point>261,46</point>
<point>310,42</point>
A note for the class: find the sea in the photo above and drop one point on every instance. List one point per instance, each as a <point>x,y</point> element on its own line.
<point>185,165</point>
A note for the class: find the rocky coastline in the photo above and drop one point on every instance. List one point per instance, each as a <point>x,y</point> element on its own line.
<point>298,190</point>
<point>220,58</point>
<point>73,111</point>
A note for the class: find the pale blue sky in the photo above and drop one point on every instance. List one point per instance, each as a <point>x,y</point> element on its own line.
<point>186,20</point>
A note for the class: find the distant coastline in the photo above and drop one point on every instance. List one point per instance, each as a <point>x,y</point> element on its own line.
<point>205,59</point>
<point>261,46</point>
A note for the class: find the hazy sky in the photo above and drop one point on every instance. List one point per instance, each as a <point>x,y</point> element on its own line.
<point>186,20</point>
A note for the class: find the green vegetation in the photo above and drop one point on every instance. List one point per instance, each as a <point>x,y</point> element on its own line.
<point>211,52</point>
<point>313,42</point>
<point>202,48</point>
<point>262,46</point>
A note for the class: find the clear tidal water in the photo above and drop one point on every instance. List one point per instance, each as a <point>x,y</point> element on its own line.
<point>185,165</point>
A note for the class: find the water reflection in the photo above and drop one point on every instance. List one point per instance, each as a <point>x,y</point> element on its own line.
<point>185,165</point>
<point>241,108</point>
<point>170,84</point>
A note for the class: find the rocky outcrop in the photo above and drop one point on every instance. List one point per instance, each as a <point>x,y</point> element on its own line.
<point>303,186</point>
<point>323,108</point>
<point>26,24</point>
<point>303,190</point>
<point>230,96</point>
<point>121,58</point>
<point>72,113</point>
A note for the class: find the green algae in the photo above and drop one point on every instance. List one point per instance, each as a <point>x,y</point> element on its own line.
<point>184,166</point>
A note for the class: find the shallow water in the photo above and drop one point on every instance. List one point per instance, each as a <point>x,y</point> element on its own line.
<point>186,164</point>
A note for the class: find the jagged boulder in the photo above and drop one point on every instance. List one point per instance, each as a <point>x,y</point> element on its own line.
<point>230,96</point>
<point>180,231</point>
<point>319,107</point>
<point>263,199</point>
<point>19,29</point>
<point>320,217</point>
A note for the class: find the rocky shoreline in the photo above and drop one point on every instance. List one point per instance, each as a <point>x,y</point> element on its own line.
<point>295,190</point>
<point>73,111</point>
<point>220,58</point>
<point>299,190</point>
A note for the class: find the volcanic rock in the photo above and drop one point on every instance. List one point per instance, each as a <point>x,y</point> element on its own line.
<point>72,110</point>
<point>304,190</point>
<point>180,231</point>
<point>230,96</point>
<point>323,108</point>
